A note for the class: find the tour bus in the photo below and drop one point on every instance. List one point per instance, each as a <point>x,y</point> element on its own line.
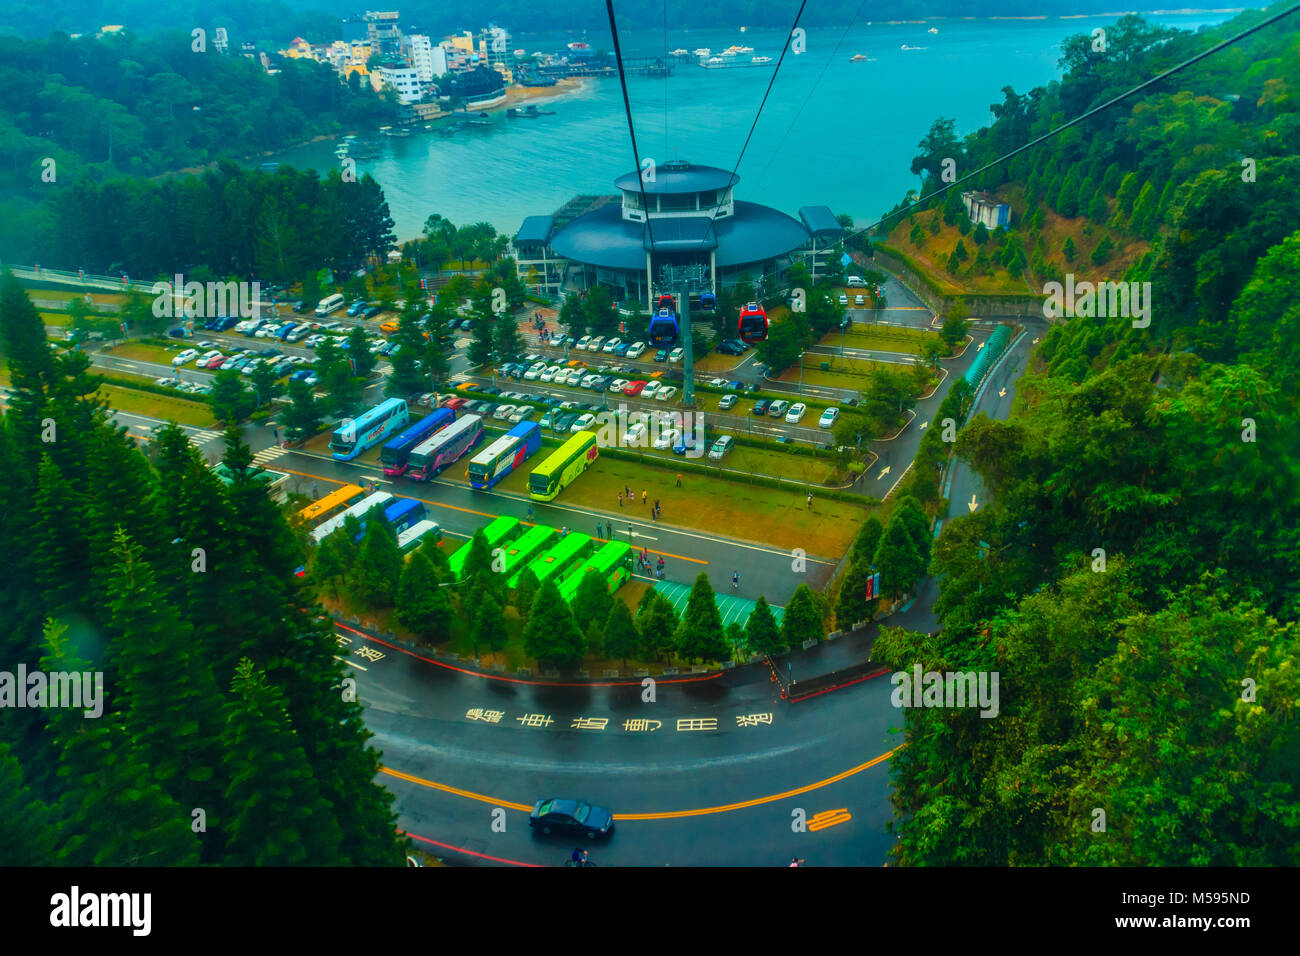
<point>331,504</point>
<point>504,455</point>
<point>564,465</point>
<point>613,562</point>
<point>497,532</point>
<point>331,303</point>
<point>569,552</point>
<point>436,453</point>
<point>359,511</point>
<point>395,451</point>
<point>353,437</point>
<point>517,554</point>
<point>403,513</point>
<point>413,537</point>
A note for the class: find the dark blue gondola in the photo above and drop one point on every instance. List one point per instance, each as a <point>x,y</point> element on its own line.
<point>752,325</point>
<point>663,324</point>
<point>708,301</point>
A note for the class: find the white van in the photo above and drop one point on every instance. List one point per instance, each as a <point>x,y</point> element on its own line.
<point>331,303</point>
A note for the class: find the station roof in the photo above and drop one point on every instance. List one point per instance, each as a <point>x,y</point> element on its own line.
<point>676,176</point>
<point>753,233</point>
<point>535,229</point>
<point>821,222</point>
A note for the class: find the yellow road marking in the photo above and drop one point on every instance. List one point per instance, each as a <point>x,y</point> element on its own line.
<point>667,815</point>
<point>829,818</point>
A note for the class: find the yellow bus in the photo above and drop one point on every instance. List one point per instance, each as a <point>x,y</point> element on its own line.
<point>564,465</point>
<point>331,504</point>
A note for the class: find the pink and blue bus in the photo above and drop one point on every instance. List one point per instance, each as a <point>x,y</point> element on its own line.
<point>360,434</point>
<point>505,455</point>
<point>434,454</point>
<point>395,452</point>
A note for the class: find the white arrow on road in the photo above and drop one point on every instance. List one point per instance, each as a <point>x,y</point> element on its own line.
<point>1035,342</point>
<point>924,424</point>
<point>971,504</point>
<point>648,537</point>
<point>1002,393</point>
<point>981,348</point>
<point>883,471</point>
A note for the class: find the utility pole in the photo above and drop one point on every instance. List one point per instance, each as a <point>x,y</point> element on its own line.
<point>684,281</point>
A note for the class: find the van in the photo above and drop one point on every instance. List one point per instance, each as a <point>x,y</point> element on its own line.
<point>721,447</point>
<point>331,303</point>
<point>778,408</point>
<point>855,282</point>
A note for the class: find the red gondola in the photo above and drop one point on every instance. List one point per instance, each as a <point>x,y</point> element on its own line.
<point>753,323</point>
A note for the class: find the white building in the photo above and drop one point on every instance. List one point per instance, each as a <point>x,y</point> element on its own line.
<point>404,79</point>
<point>985,208</point>
<point>428,59</point>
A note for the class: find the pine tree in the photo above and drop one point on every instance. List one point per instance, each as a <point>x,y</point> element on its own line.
<point>913,517</point>
<point>378,568</point>
<point>761,633</point>
<point>363,360</point>
<point>479,557</point>
<point>1068,250</point>
<point>1097,208</point>
<point>868,538</point>
<point>481,346</point>
<point>302,418</point>
<point>1067,199</point>
<point>525,593</point>
<point>59,546</point>
<point>28,835</point>
<point>981,235</point>
<point>551,637</point>
<point>802,620</point>
<point>621,636</point>
<point>280,817</point>
<point>423,608</point>
<point>699,633</point>
<point>897,559</point>
<point>1143,221</point>
<point>657,621</point>
<point>328,564</point>
<point>592,601</point>
<point>508,344</point>
<point>852,605</point>
<point>431,549</point>
<point>1102,252</point>
<point>489,627</point>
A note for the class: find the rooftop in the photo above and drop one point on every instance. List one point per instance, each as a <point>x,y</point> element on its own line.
<point>679,176</point>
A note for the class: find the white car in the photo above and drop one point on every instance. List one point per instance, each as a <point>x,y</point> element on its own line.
<point>796,413</point>
<point>718,382</point>
<point>636,350</point>
<point>778,408</point>
<point>168,382</point>
<point>666,393</point>
<point>207,357</point>
<point>588,379</point>
<point>595,344</point>
<point>584,421</point>
<point>248,369</point>
<point>550,373</point>
<point>667,438</point>
<point>583,343</point>
<point>721,447</point>
<point>185,356</point>
<point>651,387</point>
<point>618,385</point>
<point>535,372</point>
<point>855,282</point>
<point>205,345</point>
<point>636,435</point>
<point>521,413</point>
<point>611,345</point>
<point>504,411</point>
<point>676,355</point>
<point>844,299</point>
<point>828,418</point>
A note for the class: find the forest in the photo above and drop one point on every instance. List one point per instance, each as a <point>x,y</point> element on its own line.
<point>1134,577</point>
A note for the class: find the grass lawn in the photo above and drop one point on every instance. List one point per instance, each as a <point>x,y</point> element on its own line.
<point>37,291</point>
<point>717,363</point>
<point>165,407</point>
<point>55,318</point>
<point>144,352</point>
<point>881,338</point>
<point>752,512</point>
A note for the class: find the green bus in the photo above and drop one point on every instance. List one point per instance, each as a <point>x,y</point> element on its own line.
<point>613,562</point>
<point>556,563</point>
<point>522,550</point>
<point>498,532</point>
<point>564,464</point>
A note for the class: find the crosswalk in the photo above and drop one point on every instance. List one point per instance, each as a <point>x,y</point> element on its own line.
<point>267,455</point>
<point>200,438</point>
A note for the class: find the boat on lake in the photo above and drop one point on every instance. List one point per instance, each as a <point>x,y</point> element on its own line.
<point>858,58</point>
<point>759,60</point>
<point>906,47</point>
<point>703,51</point>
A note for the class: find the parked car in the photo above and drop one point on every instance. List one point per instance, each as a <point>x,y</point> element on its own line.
<point>583,342</point>
<point>504,411</point>
<point>844,299</point>
<point>796,413</point>
<point>618,385</point>
<point>666,439</point>
<point>305,375</point>
<point>661,355</point>
<point>521,413</point>
<point>185,356</point>
<point>584,421</point>
<point>676,354</point>
<point>828,418</point>
<point>612,344</point>
<point>650,389</point>
<point>684,443</point>
<point>721,447</point>
<point>534,373</point>
<point>548,419</point>
<point>371,311</point>
<point>635,350</point>
<point>550,373</point>
<point>727,402</point>
<point>250,366</point>
<point>596,343</point>
<point>717,383</point>
<point>855,282</point>
<point>177,333</point>
<point>216,362</point>
<point>571,816</point>
<point>236,364</point>
<point>778,408</point>
<point>762,405</point>
<point>284,368</point>
<point>565,422</point>
<point>356,307</point>
<point>633,388</point>
<point>858,300</point>
<point>623,349</point>
<point>666,393</point>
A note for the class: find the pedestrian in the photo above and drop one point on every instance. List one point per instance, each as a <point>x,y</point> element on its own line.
<point>276,433</point>
<point>656,506</point>
<point>315,491</point>
<point>598,534</point>
<point>576,858</point>
<point>645,556</point>
<point>629,533</point>
<point>661,565</point>
<point>643,496</point>
<point>620,499</point>
<point>628,492</point>
<point>735,580</point>
<point>679,479</point>
<point>810,501</point>
<point>564,532</point>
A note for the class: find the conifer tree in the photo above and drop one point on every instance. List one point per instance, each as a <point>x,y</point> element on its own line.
<point>1068,250</point>
<point>657,621</point>
<point>761,633</point>
<point>489,626</point>
<point>699,633</point>
<point>280,817</point>
<point>802,620</point>
<point>423,608</point>
<point>28,834</point>
<point>378,568</point>
<point>525,593</point>
<point>621,636</point>
<point>58,544</point>
<point>868,538</point>
<point>897,559</point>
<point>592,601</point>
<point>328,566</point>
<point>551,637</point>
<point>852,605</point>
<point>437,557</point>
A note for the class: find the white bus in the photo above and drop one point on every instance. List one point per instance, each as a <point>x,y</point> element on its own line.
<point>359,510</point>
<point>411,538</point>
<point>331,303</point>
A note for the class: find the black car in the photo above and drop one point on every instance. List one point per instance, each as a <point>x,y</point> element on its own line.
<point>177,333</point>
<point>267,353</point>
<point>571,816</point>
<point>487,410</point>
<point>284,368</point>
<point>373,311</point>
<point>356,307</point>
<point>487,390</point>
<point>565,422</point>
<point>300,307</point>
<point>762,405</point>
<point>466,324</point>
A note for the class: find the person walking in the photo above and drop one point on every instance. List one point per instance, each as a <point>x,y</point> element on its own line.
<point>657,507</point>
<point>629,533</point>
<point>598,529</point>
<point>810,501</point>
<point>643,496</point>
<point>735,580</point>
<point>679,479</point>
<point>620,499</point>
<point>315,491</point>
<point>661,565</point>
<point>564,532</point>
<point>628,491</point>
<point>530,512</point>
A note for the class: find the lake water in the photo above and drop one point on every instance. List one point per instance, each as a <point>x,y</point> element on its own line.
<point>833,132</point>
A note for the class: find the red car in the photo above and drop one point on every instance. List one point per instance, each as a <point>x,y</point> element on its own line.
<point>217,361</point>
<point>633,388</point>
<point>455,404</point>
